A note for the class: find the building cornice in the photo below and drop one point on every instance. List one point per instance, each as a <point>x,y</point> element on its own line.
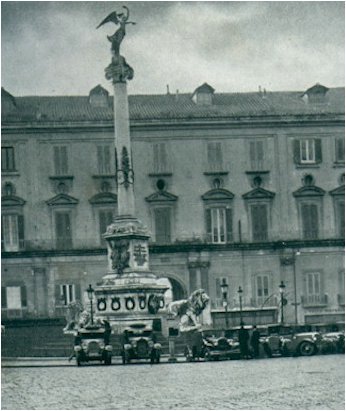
<point>159,124</point>
<point>185,248</point>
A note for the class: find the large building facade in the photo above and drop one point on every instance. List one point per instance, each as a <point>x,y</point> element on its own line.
<point>243,189</point>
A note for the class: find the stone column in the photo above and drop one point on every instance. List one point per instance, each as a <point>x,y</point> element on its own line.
<point>124,170</point>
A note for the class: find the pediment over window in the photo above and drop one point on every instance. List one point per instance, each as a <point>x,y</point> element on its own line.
<point>217,194</point>
<point>62,199</point>
<point>309,191</point>
<point>339,191</point>
<point>161,196</point>
<point>10,201</point>
<point>258,193</point>
<point>104,198</point>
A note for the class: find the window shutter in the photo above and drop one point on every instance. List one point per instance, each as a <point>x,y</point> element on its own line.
<point>64,162</point>
<point>21,230</point>
<point>3,297</point>
<point>23,296</point>
<point>208,224</point>
<point>156,157</point>
<point>318,150</point>
<point>162,225</point>
<point>99,160</point>
<point>2,234</point>
<point>341,206</point>
<point>218,163</point>
<point>107,160</point>
<point>57,161</point>
<point>229,225</point>
<point>259,222</point>
<point>296,151</point>
<point>218,287</point>
<point>58,293</point>
<point>340,150</point>
<point>77,292</point>
<point>252,155</point>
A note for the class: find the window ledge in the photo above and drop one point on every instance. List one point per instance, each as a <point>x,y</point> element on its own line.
<point>215,173</point>
<point>103,176</point>
<point>338,164</point>
<point>163,174</point>
<point>258,172</point>
<point>308,165</point>
<point>10,173</point>
<point>61,177</point>
<point>314,305</point>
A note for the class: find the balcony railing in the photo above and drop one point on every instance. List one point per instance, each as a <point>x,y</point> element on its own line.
<point>315,300</point>
<point>260,302</point>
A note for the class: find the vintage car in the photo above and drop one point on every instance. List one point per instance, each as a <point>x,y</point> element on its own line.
<point>211,345</point>
<point>92,344</point>
<point>139,342</point>
<point>333,338</point>
<point>290,340</point>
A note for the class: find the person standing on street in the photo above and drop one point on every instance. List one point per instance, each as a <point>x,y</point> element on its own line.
<point>243,342</point>
<point>255,341</point>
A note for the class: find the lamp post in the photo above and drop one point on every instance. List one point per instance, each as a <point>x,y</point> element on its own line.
<point>282,289</point>
<point>240,293</point>
<point>224,290</point>
<point>90,292</point>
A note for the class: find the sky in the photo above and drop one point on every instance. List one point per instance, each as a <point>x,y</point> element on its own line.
<point>53,48</point>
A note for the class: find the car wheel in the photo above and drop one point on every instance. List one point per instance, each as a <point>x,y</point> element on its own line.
<point>268,351</point>
<point>207,355</point>
<point>307,349</point>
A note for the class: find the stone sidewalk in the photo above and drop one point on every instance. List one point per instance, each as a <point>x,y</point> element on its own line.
<point>27,362</point>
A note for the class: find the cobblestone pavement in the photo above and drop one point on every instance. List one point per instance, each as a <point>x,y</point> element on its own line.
<point>279,383</point>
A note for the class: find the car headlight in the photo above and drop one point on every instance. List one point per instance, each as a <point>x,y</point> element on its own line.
<point>84,346</point>
<point>102,346</point>
<point>150,343</point>
<point>127,346</point>
<point>108,348</point>
<point>157,346</point>
<point>77,348</point>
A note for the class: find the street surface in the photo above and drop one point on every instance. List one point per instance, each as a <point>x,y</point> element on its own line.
<point>280,383</point>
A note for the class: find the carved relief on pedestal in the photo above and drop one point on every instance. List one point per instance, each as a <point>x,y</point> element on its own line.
<point>120,255</point>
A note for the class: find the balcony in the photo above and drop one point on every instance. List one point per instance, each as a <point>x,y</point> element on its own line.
<point>260,302</point>
<point>314,300</point>
<point>341,299</point>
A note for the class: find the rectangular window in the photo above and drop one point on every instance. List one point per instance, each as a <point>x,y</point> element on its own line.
<point>313,288</point>
<point>162,225</point>
<point>105,219</point>
<point>63,230</point>
<point>307,151</point>
<point>13,297</point>
<point>262,289</point>
<point>160,158</point>
<point>60,160</point>
<point>104,159</point>
<point>259,220</point>
<point>219,224</point>
<point>7,159</point>
<point>340,150</point>
<point>256,155</point>
<point>309,221</point>
<point>12,232</point>
<point>67,293</point>
<point>341,218</point>
<point>218,282</point>
<point>214,151</point>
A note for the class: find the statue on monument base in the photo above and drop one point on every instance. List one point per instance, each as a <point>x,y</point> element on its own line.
<point>118,70</point>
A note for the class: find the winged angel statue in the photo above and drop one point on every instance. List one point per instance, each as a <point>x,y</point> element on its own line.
<point>118,70</point>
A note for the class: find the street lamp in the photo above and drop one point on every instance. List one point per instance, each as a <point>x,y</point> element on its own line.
<point>224,290</point>
<point>282,289</point>
<point>240,293</point>
<point>90,292</point>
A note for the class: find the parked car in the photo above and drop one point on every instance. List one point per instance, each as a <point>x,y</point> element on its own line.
<point>92,344</point>
<point>210,345</point>
<point>333,338</point>
<point>139,342</point>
